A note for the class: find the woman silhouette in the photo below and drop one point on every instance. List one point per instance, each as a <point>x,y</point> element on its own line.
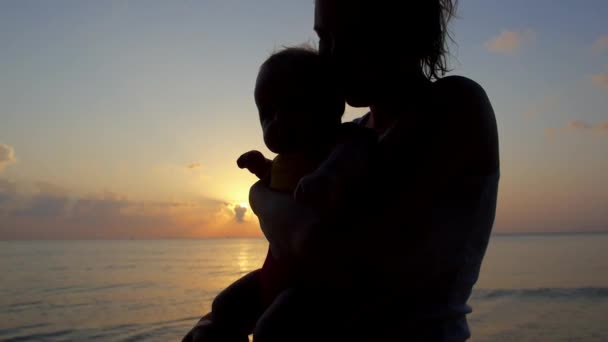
<point>408,248</point>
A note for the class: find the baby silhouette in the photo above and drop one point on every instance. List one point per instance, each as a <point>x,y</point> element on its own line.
<point>300,110</point>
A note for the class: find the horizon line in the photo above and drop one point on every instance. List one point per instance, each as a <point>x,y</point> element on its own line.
<point>498,234</point>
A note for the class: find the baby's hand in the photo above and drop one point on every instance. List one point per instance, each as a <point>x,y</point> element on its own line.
<point>255,162</point>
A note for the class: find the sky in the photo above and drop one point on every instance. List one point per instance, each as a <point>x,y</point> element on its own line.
<point>123,119</point>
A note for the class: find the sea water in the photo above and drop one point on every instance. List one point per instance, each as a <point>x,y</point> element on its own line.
<point>532,288</point>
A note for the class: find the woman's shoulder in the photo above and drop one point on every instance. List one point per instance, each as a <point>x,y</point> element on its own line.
<point>463,103</point>
<point>466,119</point>
<point>461,92</point>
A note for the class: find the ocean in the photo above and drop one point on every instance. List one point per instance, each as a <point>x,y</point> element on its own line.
<point>532,287</point>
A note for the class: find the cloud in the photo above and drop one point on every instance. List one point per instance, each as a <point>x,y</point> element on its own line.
<point>600,80</point>
<point>44,206</point>
<point>578,126</point>
<point>106,206</point>
<point>600,127</point>
<point>601,44</point>
<point>194,166</point>
<point>239,213</point>
<point>53,213</point>
<point>510,42</point>
<point>548,104</point>
<point>7,156</point>
<point>550,133</point>
<point>50,188</point>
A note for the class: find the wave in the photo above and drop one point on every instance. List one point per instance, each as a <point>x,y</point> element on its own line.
<point>163,330</point>
<point>40,336</point>
<point>7,331</point>
<point>542,293</point>
<point>84,288</point>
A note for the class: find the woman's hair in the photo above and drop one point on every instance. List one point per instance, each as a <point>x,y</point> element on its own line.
<point>425,24</point>
<point>435,50</point>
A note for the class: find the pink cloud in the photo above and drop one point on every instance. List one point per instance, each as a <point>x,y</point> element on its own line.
<point>602,127</point>
<point>510,42</point>
<point>601,44</point>
<point>579,125</point>
<point>550,132</point>
<point>600,80</point>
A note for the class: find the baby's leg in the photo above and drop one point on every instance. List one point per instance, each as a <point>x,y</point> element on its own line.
<point>236,309</point>
<point>234,313</point>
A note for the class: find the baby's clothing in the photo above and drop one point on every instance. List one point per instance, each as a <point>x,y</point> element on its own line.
<point>288,169</point>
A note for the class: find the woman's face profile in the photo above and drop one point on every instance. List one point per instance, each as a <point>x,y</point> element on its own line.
<point>360,51</point>
<point>338,42</point>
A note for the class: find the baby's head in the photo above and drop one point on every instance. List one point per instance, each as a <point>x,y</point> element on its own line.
<point>299,105</point>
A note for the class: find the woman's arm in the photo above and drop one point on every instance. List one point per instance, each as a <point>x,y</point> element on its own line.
<point>342,174</point>
<point>298,224</point>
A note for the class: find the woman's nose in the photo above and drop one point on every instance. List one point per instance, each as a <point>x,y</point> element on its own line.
<point>326,47</point>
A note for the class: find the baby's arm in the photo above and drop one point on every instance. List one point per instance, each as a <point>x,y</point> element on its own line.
<point>256,163</point>
<point>347,166</point>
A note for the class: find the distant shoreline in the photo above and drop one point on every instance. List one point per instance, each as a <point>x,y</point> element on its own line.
<point>596,232</point>
<point>497,234</point>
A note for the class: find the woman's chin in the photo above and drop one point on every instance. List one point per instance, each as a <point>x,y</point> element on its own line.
<point>358,101</point>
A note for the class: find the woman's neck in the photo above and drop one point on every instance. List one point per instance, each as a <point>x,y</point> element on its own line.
<point>403,98</point>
